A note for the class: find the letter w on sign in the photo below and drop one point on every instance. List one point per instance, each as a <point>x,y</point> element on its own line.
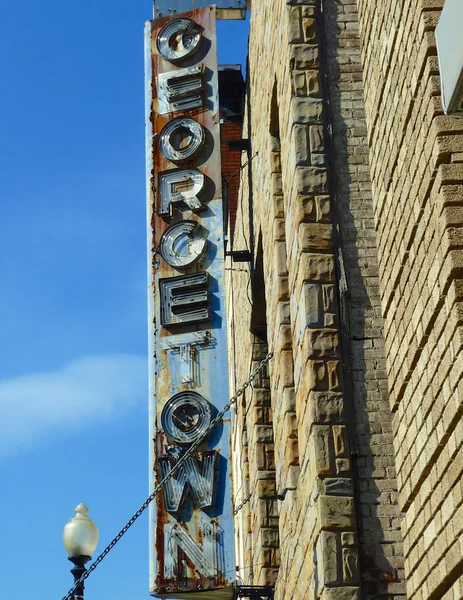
<point>198,478</point>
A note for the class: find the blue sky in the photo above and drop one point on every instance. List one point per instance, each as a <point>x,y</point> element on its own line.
<point>73,388</point>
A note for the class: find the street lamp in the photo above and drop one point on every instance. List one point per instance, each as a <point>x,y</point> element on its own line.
<point>80,537</point>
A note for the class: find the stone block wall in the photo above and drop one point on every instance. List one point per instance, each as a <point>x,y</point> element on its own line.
<point>417,177</point>
<point>321,431</point>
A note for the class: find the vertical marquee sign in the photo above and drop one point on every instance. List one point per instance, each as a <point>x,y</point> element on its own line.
<point>191,522</point>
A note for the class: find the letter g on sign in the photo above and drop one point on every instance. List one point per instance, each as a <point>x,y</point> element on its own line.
<point>181,246</point>
<point>178,39</point>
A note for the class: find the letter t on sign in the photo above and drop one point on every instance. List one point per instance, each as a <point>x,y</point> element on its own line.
<point>187,345</point>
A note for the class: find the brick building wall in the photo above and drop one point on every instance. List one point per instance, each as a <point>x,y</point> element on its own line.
<point>231,163</point>
<point>417,176</point>
<point>379,519</point>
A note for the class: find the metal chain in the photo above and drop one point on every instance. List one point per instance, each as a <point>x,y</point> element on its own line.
<point>169,476</point>
<point>243,502</point>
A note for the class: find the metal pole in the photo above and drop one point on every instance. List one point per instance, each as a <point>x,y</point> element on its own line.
<point>78,571</point>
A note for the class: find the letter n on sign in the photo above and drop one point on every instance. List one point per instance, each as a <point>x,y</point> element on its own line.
<point>192,537</point>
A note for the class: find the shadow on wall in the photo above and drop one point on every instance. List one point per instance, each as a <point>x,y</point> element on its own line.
<point>378,515</point>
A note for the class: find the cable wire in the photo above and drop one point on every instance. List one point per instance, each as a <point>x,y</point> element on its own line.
<point>227,181</point>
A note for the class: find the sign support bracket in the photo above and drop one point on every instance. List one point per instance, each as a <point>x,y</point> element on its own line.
<point>255,592</point>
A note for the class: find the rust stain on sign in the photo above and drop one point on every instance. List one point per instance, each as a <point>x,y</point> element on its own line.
<point>192,522</point>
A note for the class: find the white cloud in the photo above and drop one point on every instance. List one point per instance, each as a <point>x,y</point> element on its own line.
<point>83,391</point>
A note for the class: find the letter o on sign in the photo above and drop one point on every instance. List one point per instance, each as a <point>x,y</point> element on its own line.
<point>186,417</point>
<point>181,139</point>
<point>178,39</point>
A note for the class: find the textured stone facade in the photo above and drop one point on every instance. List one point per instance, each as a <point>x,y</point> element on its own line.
<point>348,451</point>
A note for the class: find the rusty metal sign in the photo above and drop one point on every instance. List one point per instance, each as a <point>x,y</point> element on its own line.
<point>192,537</point>
<point>226,9</point>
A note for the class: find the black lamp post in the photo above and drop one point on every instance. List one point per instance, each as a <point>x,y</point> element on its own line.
<point>80,538</point>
